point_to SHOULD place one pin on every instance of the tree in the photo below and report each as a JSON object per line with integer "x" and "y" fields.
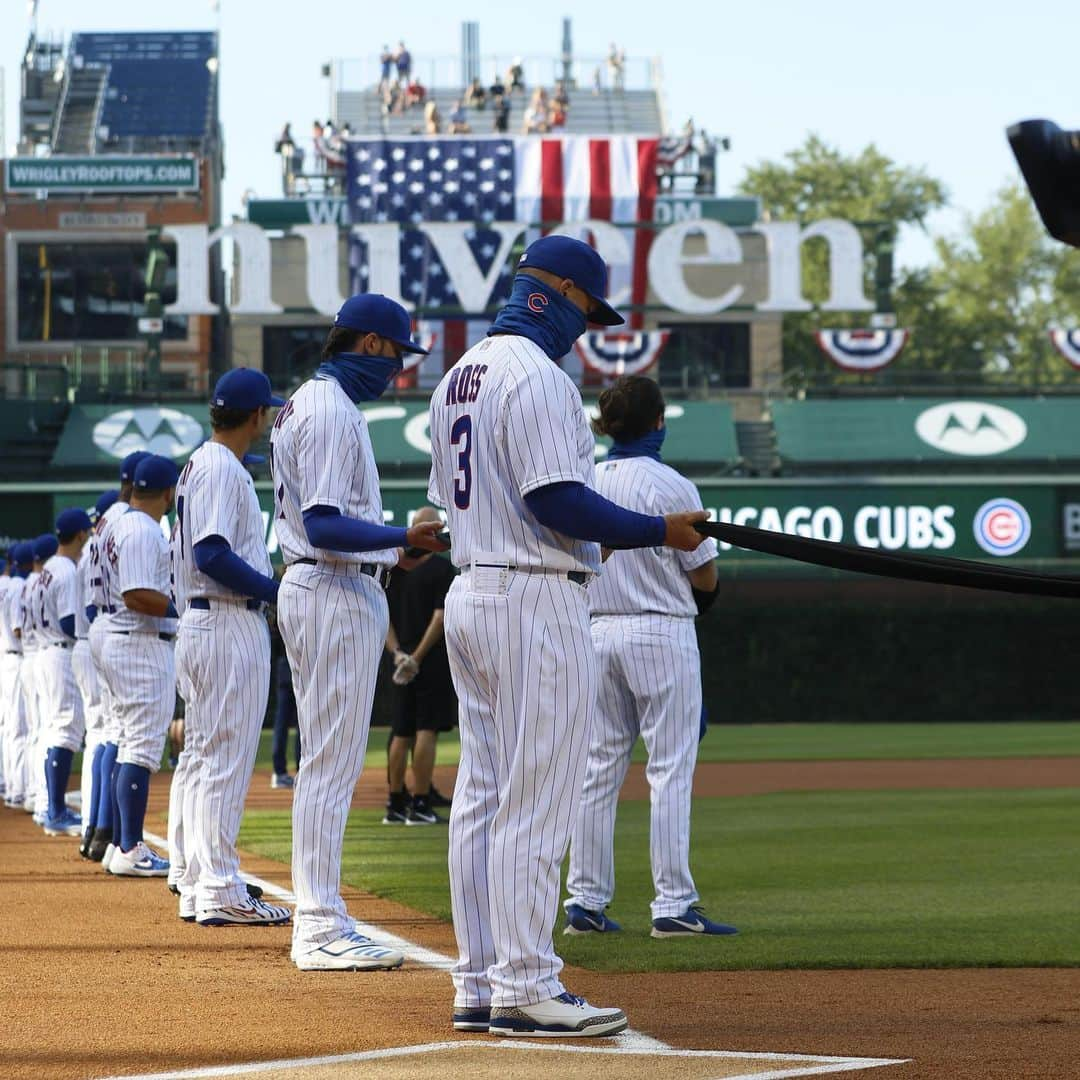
{"x": 817, "y": 181}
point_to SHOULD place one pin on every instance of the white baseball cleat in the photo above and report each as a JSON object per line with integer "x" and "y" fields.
{"x": 187, "y": 906}
{"x": 252, "y": 913}
{"x": 140, "y": 861}
{"x": 106, "y": 859}
{"x": 563, "y": 1017}
{"x": 351, "y": 952}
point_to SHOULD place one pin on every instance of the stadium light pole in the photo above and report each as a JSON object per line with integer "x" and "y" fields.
{"x": 152, "y": 325}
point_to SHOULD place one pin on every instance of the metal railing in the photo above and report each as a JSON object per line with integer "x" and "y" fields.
{"x": 93, "y": 373}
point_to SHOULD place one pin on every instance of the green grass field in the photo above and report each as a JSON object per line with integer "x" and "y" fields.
{"x": 829, "y": 742}
{"x": 822, "y": 880}
{"x": 813, "y": 880}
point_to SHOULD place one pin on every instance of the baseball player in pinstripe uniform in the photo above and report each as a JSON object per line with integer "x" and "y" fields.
{"x": 44, "y": 549}
{"x": 65, "y": 721}
{"x": 332, "y": 610}
{"x": 512, "y": 461}
{"x": 223, "y": 580}
{"x": 106, "y": 818}
{"x": 82, "y": 663}
{"x": 643, "y": 611}
{"x": 16, "y": 725}
{"x": 136, "y": 628}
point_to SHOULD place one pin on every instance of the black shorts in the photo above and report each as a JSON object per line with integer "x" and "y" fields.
{"x": 424, "y": 705}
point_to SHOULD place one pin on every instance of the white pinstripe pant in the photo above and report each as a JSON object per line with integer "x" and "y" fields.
{"x": 334, "y": 627}
{"x": 36, "y": 748}
{"x": 62, "y": 704}
{"x": 82, "y": 664}
{"x": 525, "y": 675}
{"x": 15, "y": 725}
{"x": 650, "y": 682}
{"x": 223, "y": 675}
{"x": 140, "y": 675}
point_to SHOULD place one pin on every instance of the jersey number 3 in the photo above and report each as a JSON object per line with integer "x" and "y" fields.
{"x": 461, "y": 441}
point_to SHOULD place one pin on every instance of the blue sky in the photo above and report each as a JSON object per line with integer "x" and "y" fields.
{"x": 933, "y": 84}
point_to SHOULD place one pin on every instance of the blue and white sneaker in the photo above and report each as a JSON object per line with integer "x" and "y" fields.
{"x": 350, "y": 952}
{"x": 580, "y": 920}
{"x": 252, "y": 913}
{"x": 466, "y": 1019}
{"x": 692, "y": 922}
{"x": 140, "y": 861}
{"x": 65, "y": 823}
{"x": 562, "y": 1017}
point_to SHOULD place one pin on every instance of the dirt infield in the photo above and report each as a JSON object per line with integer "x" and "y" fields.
{"x": 100, "y": 978}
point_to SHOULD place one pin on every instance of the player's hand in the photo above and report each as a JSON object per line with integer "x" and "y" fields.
{"x": 681, "y": 533}
{"x": 426, "y": 536}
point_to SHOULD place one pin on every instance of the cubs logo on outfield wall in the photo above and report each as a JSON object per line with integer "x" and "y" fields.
{"x": 612, "y": 353}
{"x": 1067, "y": 342}
{"x": 861, "y": 350}
{"x": 1002, "y": 527}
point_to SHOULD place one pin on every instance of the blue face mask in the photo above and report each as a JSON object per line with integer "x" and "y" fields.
{"x": 541, "y": 314}
{"x": 362, "y": 377}
{"x": 646, "y": 446}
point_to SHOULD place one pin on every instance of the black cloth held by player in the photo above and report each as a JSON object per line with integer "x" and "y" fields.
{"x": 935, "y": 569}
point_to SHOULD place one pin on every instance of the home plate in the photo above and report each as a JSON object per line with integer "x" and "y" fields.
{"x": 536, "y": 1061}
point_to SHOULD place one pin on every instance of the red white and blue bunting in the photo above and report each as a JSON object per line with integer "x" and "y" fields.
{"x": 614, "y": 353}
{"x": 425, "y": 335}
{"x": 861, "y": 350}
{"x": 1067, "y": 342}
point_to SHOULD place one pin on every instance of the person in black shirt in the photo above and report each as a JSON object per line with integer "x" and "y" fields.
{"x": 425, "y": 700}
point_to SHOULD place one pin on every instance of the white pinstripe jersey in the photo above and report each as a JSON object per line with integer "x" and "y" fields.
{"x": 56, "y": 597}
{"x": 320, "y": 455}
{"x": 96, "y": 544}
{"x": 24, "y": 612}
{"x": 135, "y": 555}
{"x": 649, "y": 580}
{"x": 505, "y": 421}
{"x": 10, "y": 587}
{"x": 84, "y": 574}
{"x": 215, "y": 496}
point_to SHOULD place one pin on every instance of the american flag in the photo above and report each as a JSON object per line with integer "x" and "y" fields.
{"x": 532, "y": 179}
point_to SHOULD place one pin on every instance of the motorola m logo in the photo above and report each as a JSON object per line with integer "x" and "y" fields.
{"x": 168, "y": 432}
{"x": 970, "y": 428}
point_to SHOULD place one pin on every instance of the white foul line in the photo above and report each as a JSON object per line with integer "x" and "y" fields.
{"x": 630, "y": 1041}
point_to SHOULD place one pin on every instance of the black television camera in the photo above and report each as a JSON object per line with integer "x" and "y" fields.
{"x": 1049, "y": 158}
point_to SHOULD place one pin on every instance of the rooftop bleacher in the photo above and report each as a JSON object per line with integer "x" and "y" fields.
{"x": 138, "y": 92}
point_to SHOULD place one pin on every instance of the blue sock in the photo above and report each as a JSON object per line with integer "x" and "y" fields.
{"x": 103, "y": 768}
{"x": 57, "y": 774}
{"x": 113, "y": 776}
{"x": 132, "y": 791}
{"x": 90, "y": 812}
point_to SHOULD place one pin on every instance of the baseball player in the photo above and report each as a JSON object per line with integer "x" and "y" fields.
{"x": 223, "y": 581}
{"x": 643, "y": 610}
{"x": 106, "y": 819}
{"x": 512, "y": 460}
{"x": 332, "y": 611}
{"x": 137, "y": 627}
{"x": 16, "y": 729}
{"x": 86, "y": 676}
{"x": 44, "y": 549}
{"x": 64, "y": 722}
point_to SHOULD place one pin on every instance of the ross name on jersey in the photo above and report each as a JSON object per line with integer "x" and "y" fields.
{"x": 464, "y": 384}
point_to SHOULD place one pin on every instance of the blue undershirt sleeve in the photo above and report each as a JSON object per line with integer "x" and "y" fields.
{"x": 217, "y": 560}
{"x": 578, "y": 511}
{"x": 91, "y": 613}
{"x": 327, "y": 527}
{"x": 67, "y": 624}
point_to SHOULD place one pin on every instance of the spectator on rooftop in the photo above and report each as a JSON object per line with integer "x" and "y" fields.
{"x": 475, "y": 95}
{"x": 561, "y": 96}
{"x": 318, "y": 137}
{"x": 432, "y": 119}
{"x": 597, "y": 80}
{"x": 392, "y": 98}
{"x": 403, "y": 61}
{"x": 497, "y": 87}
{"x": 502, "y": 114}
{"x": 556, "y": 115}
{"x": 386, "y": 61}
{"x": 616, "y": 62}
{"x": 515, "y": 76}
{"x": 459, "y": 125}
{"x": 536, "y": 115}
{"x": 415, "y": 93}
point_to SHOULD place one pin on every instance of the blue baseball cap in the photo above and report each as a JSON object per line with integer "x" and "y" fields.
{"x": 245, "y": 389}
{"x": 156, "y": 473}
{"x": 22, "y": 554}
{"x": 373, "y": 313}
{"x": 130, "y": 464}
{"x": 71, "y": 521}
{"x": 45, "y": 547}
{"x": 574, "y": 259}
{"x": 105, "y": 500}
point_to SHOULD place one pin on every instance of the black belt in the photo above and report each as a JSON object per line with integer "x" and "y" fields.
{"x": 161, "y": 634}
{"x": 62, "y": 644}
{"x": 578, "y": 577}
{"x": 12, "y": 652}
{"x": 207, "y": 603}
{"x": 369, "y": 568}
